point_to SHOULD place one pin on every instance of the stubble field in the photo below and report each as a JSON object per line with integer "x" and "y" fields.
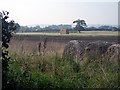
{"x": 83, "y": 33}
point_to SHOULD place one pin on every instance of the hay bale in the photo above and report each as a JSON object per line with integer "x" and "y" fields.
{"x": 112, "y": 53}
{"x": 98, "y": 46}
{"x": 64, "y": 31}
{"x": 74, "y": 50}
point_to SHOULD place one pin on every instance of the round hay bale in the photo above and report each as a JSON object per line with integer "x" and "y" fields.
{"x": 97, "y": 46}
{"x": 112, "y": 53}
{"x": 74, "y": 50}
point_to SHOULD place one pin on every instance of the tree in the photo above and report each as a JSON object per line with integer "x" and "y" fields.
{"x": 18, "y": 27}
{"x": 7, "y": 29}
{"x": 80, "y": 25}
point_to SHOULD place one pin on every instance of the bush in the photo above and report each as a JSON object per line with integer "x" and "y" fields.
{"x": 7, "y": 29}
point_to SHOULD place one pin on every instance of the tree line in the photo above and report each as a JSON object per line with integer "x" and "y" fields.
{"x": 56, "y": 28}
{"x": 80, "y": 26}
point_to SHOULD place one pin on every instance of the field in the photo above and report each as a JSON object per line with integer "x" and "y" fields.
{"x": 83, "y": 33}
{"x": 54, "y": 43}
{"x": 36, "y": 62}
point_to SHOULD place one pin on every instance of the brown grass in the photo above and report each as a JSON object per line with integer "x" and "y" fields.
{"x": 37, "y": 47}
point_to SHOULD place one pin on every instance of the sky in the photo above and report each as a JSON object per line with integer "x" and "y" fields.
{"x": 30, "y": 12}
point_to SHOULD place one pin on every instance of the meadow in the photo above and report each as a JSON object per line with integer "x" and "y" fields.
{"x": 36, "y": 62}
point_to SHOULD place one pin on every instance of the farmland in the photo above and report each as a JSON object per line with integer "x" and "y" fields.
{"x": 83, "y": 33}
{"x": 36, "y": 60}
{"x": 28, "y": 42}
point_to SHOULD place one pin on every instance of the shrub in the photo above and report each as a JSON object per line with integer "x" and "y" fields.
{"x": 7, "y": 29}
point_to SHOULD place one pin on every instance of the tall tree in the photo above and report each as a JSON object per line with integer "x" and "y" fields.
{"x": 80, "y": 25}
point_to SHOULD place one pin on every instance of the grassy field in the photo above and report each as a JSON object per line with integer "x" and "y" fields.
{"x": 83, "y": 33}
{"x": 34, "y": 67}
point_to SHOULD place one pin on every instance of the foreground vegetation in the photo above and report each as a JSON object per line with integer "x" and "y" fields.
{"x": 34, "y": 71}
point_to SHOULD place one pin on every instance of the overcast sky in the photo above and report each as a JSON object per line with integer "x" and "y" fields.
{"x": 29, "y": 12}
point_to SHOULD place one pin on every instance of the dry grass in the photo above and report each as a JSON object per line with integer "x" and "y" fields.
{"x": 51, "y": 47}
{"x": 83, "y": 33}
{"x": 32, "y": 47}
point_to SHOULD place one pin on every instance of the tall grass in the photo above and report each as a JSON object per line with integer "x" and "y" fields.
{"x": 35, "y": 71}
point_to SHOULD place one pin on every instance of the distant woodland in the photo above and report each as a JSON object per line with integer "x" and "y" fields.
{"x": 56, "y": 28}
